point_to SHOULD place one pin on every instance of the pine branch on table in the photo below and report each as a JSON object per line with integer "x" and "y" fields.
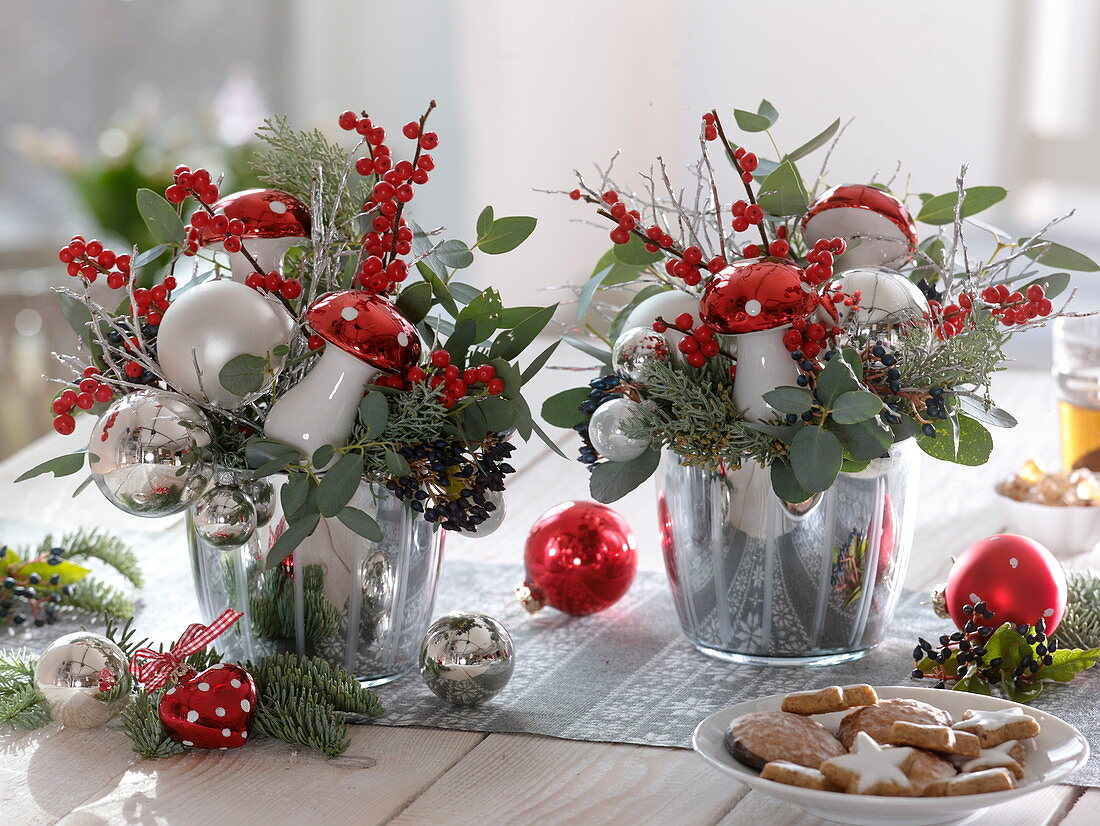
{"x": 22, "y": 706}
{"x": 95, "y": 544}
{"x": 141, "y": 722}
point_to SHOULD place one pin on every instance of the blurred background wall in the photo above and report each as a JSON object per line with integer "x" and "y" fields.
{"x": 100, "y": 96}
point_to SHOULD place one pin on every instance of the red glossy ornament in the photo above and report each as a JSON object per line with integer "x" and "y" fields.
{"x": 1017, "y": 578}
{"x": 211, "y": 710}
{"x": 368, "y": 327}
{"x": 751, "y": 296}
{"x": 265, "y": 213}
{"x": 884, "y": 228}
{"x": 581, "y": 558}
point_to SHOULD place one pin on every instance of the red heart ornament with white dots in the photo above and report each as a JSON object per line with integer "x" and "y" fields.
{"x": 211, "y": 710}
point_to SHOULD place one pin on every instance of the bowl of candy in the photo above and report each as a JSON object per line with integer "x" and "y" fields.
{"x": 1060, "y": 509}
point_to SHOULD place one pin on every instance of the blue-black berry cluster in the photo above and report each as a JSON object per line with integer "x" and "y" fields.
{"x": 33, "y": 597}
{"x": 149, "y": 334}
{"x": 449, "y": 483}
{"x": 600, "y": 390}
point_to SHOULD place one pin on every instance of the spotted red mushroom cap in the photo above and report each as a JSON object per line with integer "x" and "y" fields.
{"x": 266, "y": 213}
{"x": 366, "y": 326}
{"x": 862, "y": 196}
{"x": 756, "y": 295}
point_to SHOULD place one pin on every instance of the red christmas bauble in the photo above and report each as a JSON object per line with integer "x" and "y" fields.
{"x": 1016, "y": 577}
{"x": 877, "y": 220}
{"x": 756, "y": 295}
{"x": 581, "y": 558}
{"x": 211, "y": 710}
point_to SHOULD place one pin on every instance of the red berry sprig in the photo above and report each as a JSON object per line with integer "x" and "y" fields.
{"x": 698, "y": 345}
{"x": 820, "y": 260}
{"x": 275, "y": 284}
{"x": 1013, "y": 308}
{"x": 88, "y": 393}
{"x": 454, "y": 384}
{"x": 89, "y": 259}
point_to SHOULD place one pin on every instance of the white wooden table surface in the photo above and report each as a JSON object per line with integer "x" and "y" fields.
{"x": 431, "y": 776}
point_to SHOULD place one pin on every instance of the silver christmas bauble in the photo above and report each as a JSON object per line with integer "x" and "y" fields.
{"x": 466, "y": 658}
{"x": 496, "y": 515}
{"x": 889, "y": 302}
{"x": 635, "y": 350}
{"x": 605, "y": 431}
{"x": 84, "y": 678}
{"x": 224, "y": 517}
{"x": 145, "y": 453}
{"x": 262, "y": 494}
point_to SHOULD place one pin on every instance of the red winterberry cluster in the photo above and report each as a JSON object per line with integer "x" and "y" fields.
{"x": 288, "y": 288}
{"x": 687, "y": 267}
{"x": 698, "y": 344}
{"x": 451, "y": 382}
{"x": 90, "y": 391}
{"x": 196, "y": 183}
{"x": 810, "y": 338}
{"x": 710, "y": 128}
{"x": 89, "y": 260}
{"x": 390, "y": 235}
{"x": 819, "y": 267}
{"x": 746, "y": 215}
{"x": 152, "y": 302}
{"x": 628, "y": 218}
{"x": 1014, "y": 307}
{"x": 747, "y": 162}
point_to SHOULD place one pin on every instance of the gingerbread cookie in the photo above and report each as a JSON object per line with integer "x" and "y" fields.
{"x": 793, "y": 774}
{"x": 831, "y": 698}
{"x": 765, "y": 736}
{"x": 996, "y": 727}
{"x": 927, "y": 768}
{"x": 1010, "y": 755}
{"x": 934, "y": 738}
{"x": 871, "y": 769}
{"x": 878, "y": 720}
{"x": 990, "y": 780}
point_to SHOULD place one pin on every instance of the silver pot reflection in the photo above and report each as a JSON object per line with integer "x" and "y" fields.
{"x": 355, "y": 603}
{"x": 755, "y": 580}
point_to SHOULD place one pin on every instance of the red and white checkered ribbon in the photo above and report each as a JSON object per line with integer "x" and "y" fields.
{"x": 154, "y": 669}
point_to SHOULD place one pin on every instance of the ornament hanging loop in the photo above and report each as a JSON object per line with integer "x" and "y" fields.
{"x": 156, "y": 669}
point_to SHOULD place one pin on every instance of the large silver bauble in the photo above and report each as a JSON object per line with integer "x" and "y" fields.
{"x": 209, "y": 325}
{"x": 84, "y": 678}
{"x": 224, "y": 517}
{"x": 262, "y": 494}
{"x": 144, "y": 453}
{"x": 605, "y": 431}
{"x": 636, "y": 350}
{"x": 466, "y": 658}
{"x": 495, "y": 518}
{"x": 889, "y": 302}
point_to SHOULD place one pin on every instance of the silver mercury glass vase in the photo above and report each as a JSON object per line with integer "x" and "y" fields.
{"x": 757, "y": 580}
{"x": 355, "y": 603}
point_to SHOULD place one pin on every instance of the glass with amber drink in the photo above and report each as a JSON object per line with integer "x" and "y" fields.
{"x": 1077, "y": 372}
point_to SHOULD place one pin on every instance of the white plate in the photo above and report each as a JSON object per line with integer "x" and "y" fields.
{"x": 1059, "y": 750}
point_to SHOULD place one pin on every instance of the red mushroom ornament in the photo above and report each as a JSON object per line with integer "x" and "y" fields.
{"x": 756, "y": 301}
{"x": 365, "y": 334}
{"x": 876, "y": 226}
{"x": 274, "y": 221}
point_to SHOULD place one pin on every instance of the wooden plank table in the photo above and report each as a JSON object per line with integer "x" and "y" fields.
{"x": 416, "y": 775}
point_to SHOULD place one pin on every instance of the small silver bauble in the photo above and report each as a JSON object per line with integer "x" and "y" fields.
{"x": 262, "y": 494}
{"x": 144, "y": 453}
{"x": 635, "y": 350}
{"x": 84, "y": 678}
{"x": 496, "y": 515}
{"x": 606, "y": 432}
{"x": 224, "y": 517}
{"x": 889, "y": 302}
{"x": 466, "y": 658}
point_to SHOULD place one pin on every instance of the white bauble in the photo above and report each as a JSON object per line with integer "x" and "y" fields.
{"x": 209, "y": 325}
{"x": 667, "y": 305}
{"x": 605, "y": 431}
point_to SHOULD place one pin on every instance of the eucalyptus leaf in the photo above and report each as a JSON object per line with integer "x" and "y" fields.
{"x": 1059, "y": 256}
{"x": 80, "y": 319}
{"x": 454, "y": 254}
{"x": 244, "y": 374}
{"x": 510, "y": 375}
{"x": 976, "y": 409}
{"x": 562, "y": 409}
{"x": 836, "y": 379}
{"x": 506, "y": 234}
{"x": 499, "y": 413}
{"x": 588, "y": 292}
{"x": 439, "y": 289}
{"x": 782, "y": 193}
{"x": 767, "y": 110}
{"x": 397, "y": 464}
{"x": 293, "y": 494}
{"x": 784, "y": 483}
{"x": 941, "y": 208}
{"x": 463, "y": 293}
{"x": 415, "y": 301}
{"x": 816, "y": 457}
{"x": 461, "y": 340}
{"x": 148, "y": 256}
{"x": 361, "y": 523}
{"x": 863, "y": 441}
{"x": 538, "y": 363}
{"x": 160, "y": 217}
{"x": 59, "y": 466}
{"x": 374, "y": 414}
{"x": 484, "y": 222}
{"x": 511, "y": 316}
{"x": 788, "y": 399}
{"x": 751, "y": 121}
{"x": 485, "y": 311}
{"x": 610, "y": 481}
{"x": 510, "y": 343}
{"x": 1053, "y": 285}
{"x": 634, "y": 253}
{"x": 855, "y": 406}
{"x": 339, "y": 484}
{"x": 296, "y": 533}
{"x": 322, "y": 456}
{"x": 601, "y": 354}
{"x": 814, "y": 143}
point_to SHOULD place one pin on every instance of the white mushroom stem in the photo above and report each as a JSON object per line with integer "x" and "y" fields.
{"x": 321, "y": 408}
{"x": 268, "y": 252}
{"x": 763, "y": 364}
